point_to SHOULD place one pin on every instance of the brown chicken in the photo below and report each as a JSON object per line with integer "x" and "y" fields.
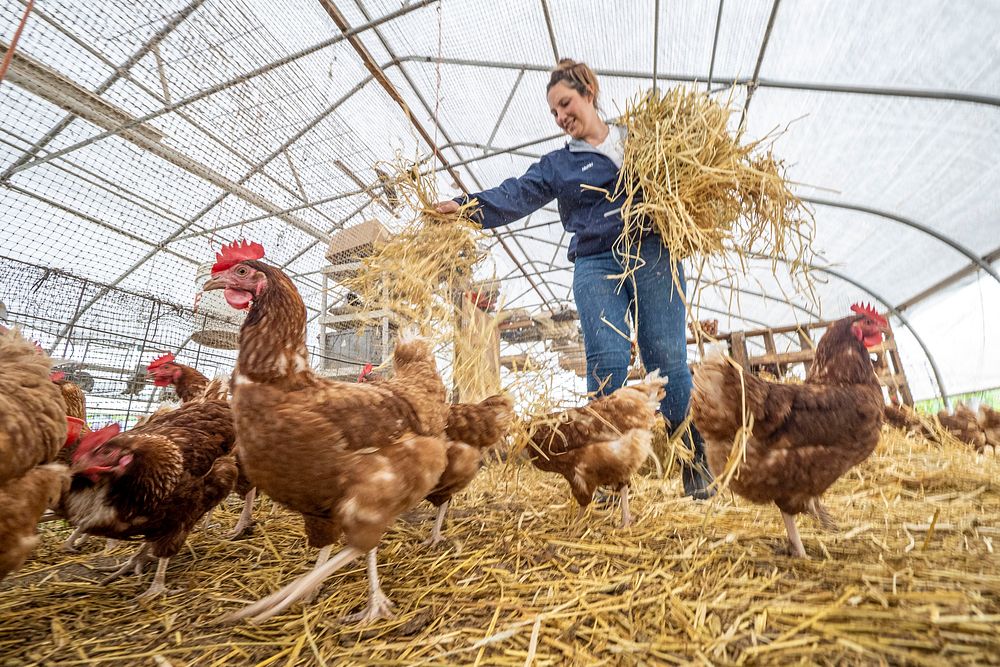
{"x": 23, "y": 500}
{"x": 804, "y": 436}
{"x": 33, "y": 428}
{"x": 190, "y": 384}
{"x": 989, "y": 421}
{"x": 964, "y": 425}
{"x": 155, "y": 481}
{"x": 601, "y": 444}
{"x": 472, "y": 429}
{"x": 349, "y": 457}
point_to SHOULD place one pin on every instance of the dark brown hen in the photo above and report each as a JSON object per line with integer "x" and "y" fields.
{"x": 804, "y": 436}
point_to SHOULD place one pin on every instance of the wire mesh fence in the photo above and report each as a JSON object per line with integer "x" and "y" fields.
{"x": 105, "y": 348}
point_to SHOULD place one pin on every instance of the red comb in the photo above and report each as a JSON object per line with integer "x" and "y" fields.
{"x": 868, "y": 311}
{"x": 366, "y": 371}
{"x": 236, "y": 252}
{"x": 57, "y": 376}
{"x": 95, "y": 439}
{"x": 167, "y": 358}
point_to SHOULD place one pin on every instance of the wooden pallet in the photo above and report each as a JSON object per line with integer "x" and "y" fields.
{"x": 888, "y": 367}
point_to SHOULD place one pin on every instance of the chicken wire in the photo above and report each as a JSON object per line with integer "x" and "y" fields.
{"x": 265, "y": 122}
{"x": 105, "y": 349}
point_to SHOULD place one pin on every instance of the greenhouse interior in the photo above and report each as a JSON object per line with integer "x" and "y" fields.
{"x": 255, "y": 198}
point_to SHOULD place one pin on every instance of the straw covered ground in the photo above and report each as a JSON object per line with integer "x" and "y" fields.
{"x": 517, "y": 584}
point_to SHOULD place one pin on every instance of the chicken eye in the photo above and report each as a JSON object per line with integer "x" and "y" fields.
{"x": 241, "y": 271}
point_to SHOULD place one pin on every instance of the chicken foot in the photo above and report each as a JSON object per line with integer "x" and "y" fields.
{"x": 379, "y": 605}
{"x": 136, "y": 561}
{"x": 159, "y": 585}
{"x": 816, "y": 508}
{"x": 793, "y": 535}
{"x": 206, "y": 523}
{"x": 280, "y": 600}
{"x": 75, "y": 541}
{"x": 246, "y": 516}
{"x": 436, "y": 536}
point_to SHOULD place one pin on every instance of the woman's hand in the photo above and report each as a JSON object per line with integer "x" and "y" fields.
{"x": 447, "y": 206}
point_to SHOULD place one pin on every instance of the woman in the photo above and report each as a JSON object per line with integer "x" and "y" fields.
{"x": 593, "y": 157}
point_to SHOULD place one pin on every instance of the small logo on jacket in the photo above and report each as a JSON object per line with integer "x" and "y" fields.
{"x": 587, "y": 166}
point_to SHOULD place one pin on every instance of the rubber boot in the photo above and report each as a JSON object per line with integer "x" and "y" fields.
{"x": 696, "y": 476}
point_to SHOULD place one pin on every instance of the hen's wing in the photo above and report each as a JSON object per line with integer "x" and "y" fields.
{"x": 600, "y": 420}
{"x": 202, "y": 430}
{"x": 787, "y": 415}
{"x": 32, "y": 416}
{"x": 482, "y": 424}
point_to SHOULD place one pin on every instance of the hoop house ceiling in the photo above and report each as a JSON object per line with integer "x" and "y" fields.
{"x": 134, "y": 138}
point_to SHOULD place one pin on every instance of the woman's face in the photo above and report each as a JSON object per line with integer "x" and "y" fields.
{"x": 574, "y": 113}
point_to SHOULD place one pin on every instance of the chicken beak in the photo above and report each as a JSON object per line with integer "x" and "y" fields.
{"x": 213, "y": 283}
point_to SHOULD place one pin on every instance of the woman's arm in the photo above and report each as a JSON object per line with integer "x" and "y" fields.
{"x": 511, "y": 200}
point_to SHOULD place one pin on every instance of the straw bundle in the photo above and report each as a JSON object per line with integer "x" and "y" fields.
{"x": 909, "y": 578}
{"x": 686, "y": 177}
{"x": 415, "y": 270}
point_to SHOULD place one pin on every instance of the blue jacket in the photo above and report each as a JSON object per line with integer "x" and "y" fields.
{"x": 594, "y": 222}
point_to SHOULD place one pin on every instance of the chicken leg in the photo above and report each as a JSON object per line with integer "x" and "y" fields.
{"x": 246, "y": 516}
{"x": 379, "y": 606}
{"x": 159, "y": 585}
{"x": 324, "y": 555}
{"x": 136, "y": 561}
{"x": 280, "y": 600}
{"x": 793, "y": 535}
{"x": 626, "y": 515}
{"x": 436, "y": 535}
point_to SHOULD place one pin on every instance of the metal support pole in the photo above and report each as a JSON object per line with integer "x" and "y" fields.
{"x": 656, "y": 40}
{"x": 947, "y": 240}
{"x": 243, "y": 78}
{"x": 915, "y": 93}
{"x": 752, "y": 85}
{"x": 552, "y": 32}
{"x": 715, "y": 45}
{"x": 503, "y": 111}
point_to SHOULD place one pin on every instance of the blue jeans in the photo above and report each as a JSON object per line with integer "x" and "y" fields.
{"x": 649, "y": 297}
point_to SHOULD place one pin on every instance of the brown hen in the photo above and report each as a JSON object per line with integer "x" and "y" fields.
{"x": 154, "y": 482}
{"x": 472, "y": 429}
{"x": 33, "y": 427}
{"x": 601, "y": 444}
{"x": 349, "y": 457}
{"x": 804, "y": 436}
